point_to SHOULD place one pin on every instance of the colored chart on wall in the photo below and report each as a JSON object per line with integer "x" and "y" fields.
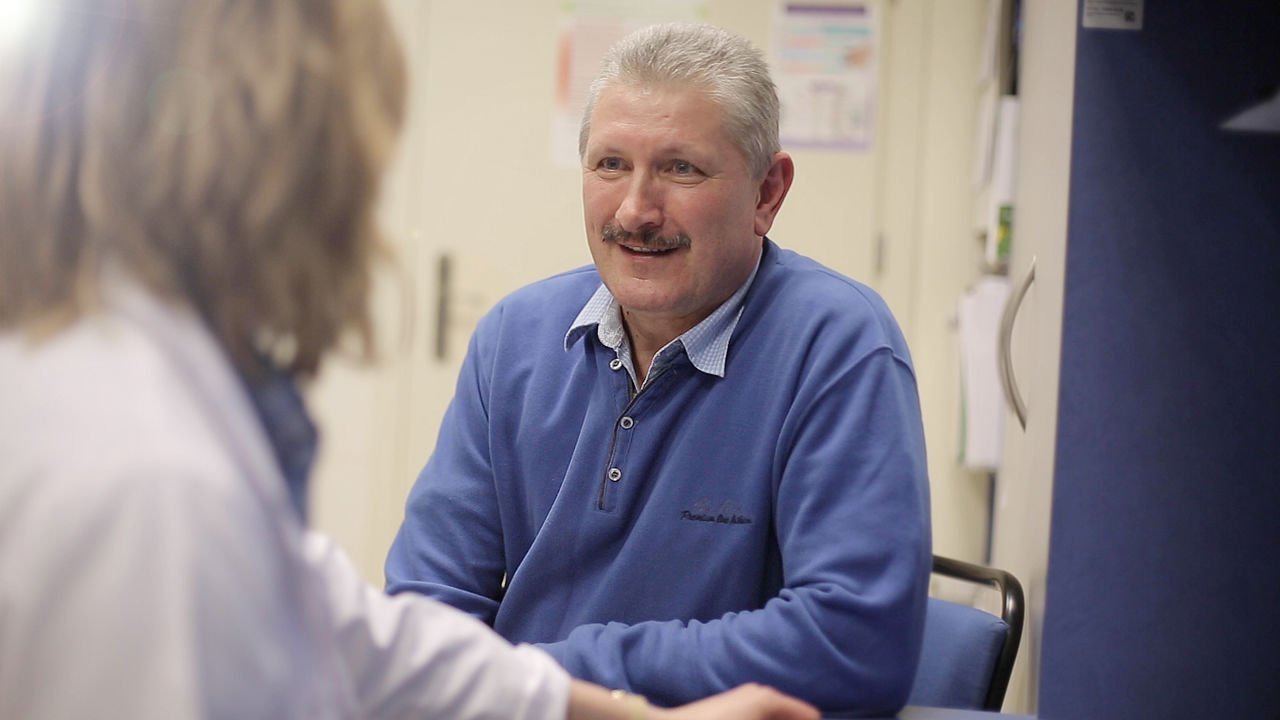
{"x": 825, "y": 59}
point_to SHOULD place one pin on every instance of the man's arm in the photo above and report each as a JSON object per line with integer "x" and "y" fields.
{"x": 452, "y": 531}
{"x": 852, "y": 526}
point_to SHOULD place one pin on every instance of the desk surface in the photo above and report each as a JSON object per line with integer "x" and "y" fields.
{"x": 928, "y": 713}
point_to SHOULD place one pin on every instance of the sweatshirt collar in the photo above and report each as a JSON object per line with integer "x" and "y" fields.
{"x": 706, "y": 344}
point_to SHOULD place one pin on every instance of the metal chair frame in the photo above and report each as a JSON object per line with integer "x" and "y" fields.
{"x": 1012, "y": 612}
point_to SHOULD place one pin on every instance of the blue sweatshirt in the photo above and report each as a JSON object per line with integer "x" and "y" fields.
{"x": 768, "y": 526}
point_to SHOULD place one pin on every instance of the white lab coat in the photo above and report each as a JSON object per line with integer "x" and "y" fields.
{"x": 151, "y": 565}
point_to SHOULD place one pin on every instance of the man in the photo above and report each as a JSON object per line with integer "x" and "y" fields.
{"x": 701, "y": 461}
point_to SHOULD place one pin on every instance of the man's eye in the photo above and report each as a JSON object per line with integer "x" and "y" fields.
{"x": 683, "y": 169}
{"x": 611, "y": 164}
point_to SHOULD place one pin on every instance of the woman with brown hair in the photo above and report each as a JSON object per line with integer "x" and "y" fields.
{"x": 187, "y": 194}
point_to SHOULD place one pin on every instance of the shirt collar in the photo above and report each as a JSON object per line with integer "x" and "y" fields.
{"x": 706, "y": 344}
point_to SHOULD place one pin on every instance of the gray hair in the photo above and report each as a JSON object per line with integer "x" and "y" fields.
{"x": 732, "y": 72}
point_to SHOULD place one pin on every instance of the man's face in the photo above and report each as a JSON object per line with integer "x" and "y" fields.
{"x": 670, "y": 205}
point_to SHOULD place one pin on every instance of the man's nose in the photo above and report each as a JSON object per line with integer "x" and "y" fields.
{"x": 642, "y": 205}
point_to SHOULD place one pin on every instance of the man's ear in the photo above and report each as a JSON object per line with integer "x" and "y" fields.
{"x": 773, "y": 190}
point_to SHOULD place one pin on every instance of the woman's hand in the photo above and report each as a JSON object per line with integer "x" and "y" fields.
{"x": 745, "y": 702}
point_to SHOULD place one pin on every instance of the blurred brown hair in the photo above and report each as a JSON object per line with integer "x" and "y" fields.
{"x": 227, "y": 153}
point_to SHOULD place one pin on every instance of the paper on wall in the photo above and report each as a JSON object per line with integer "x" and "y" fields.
{"x": 982, "y": 422}
{"x": 824, "y": 64}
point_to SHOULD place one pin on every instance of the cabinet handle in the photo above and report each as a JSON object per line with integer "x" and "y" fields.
{"x": 1004, "y": 356}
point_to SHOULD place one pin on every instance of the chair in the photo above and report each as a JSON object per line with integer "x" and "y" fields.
{"x": 968, "y": 654}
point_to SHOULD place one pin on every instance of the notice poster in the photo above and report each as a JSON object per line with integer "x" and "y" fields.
{"x": 825, "y": 59}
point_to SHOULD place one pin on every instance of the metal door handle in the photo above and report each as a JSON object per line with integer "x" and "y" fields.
{"x": 444, "y": 309}
{"x": 1004, "y": 356}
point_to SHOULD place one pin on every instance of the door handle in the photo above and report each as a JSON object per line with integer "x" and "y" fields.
{"x": 444, "y": 308}
{"x": 1004, "y": 355}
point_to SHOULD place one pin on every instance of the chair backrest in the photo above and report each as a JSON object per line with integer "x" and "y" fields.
{"x": 968, "y": 654}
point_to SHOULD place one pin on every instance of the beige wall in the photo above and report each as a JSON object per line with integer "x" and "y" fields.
{"x": 474, "y": 179}
{"x": 934, "y": 254}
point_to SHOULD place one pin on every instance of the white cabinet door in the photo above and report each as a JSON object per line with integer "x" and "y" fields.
{"x": 1025, "y": 482}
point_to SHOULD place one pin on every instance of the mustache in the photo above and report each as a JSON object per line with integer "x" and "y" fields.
{"x": 650, "y": 237}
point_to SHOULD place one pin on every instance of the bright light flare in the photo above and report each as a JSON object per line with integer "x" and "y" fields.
{"x": 17, "y": 17}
